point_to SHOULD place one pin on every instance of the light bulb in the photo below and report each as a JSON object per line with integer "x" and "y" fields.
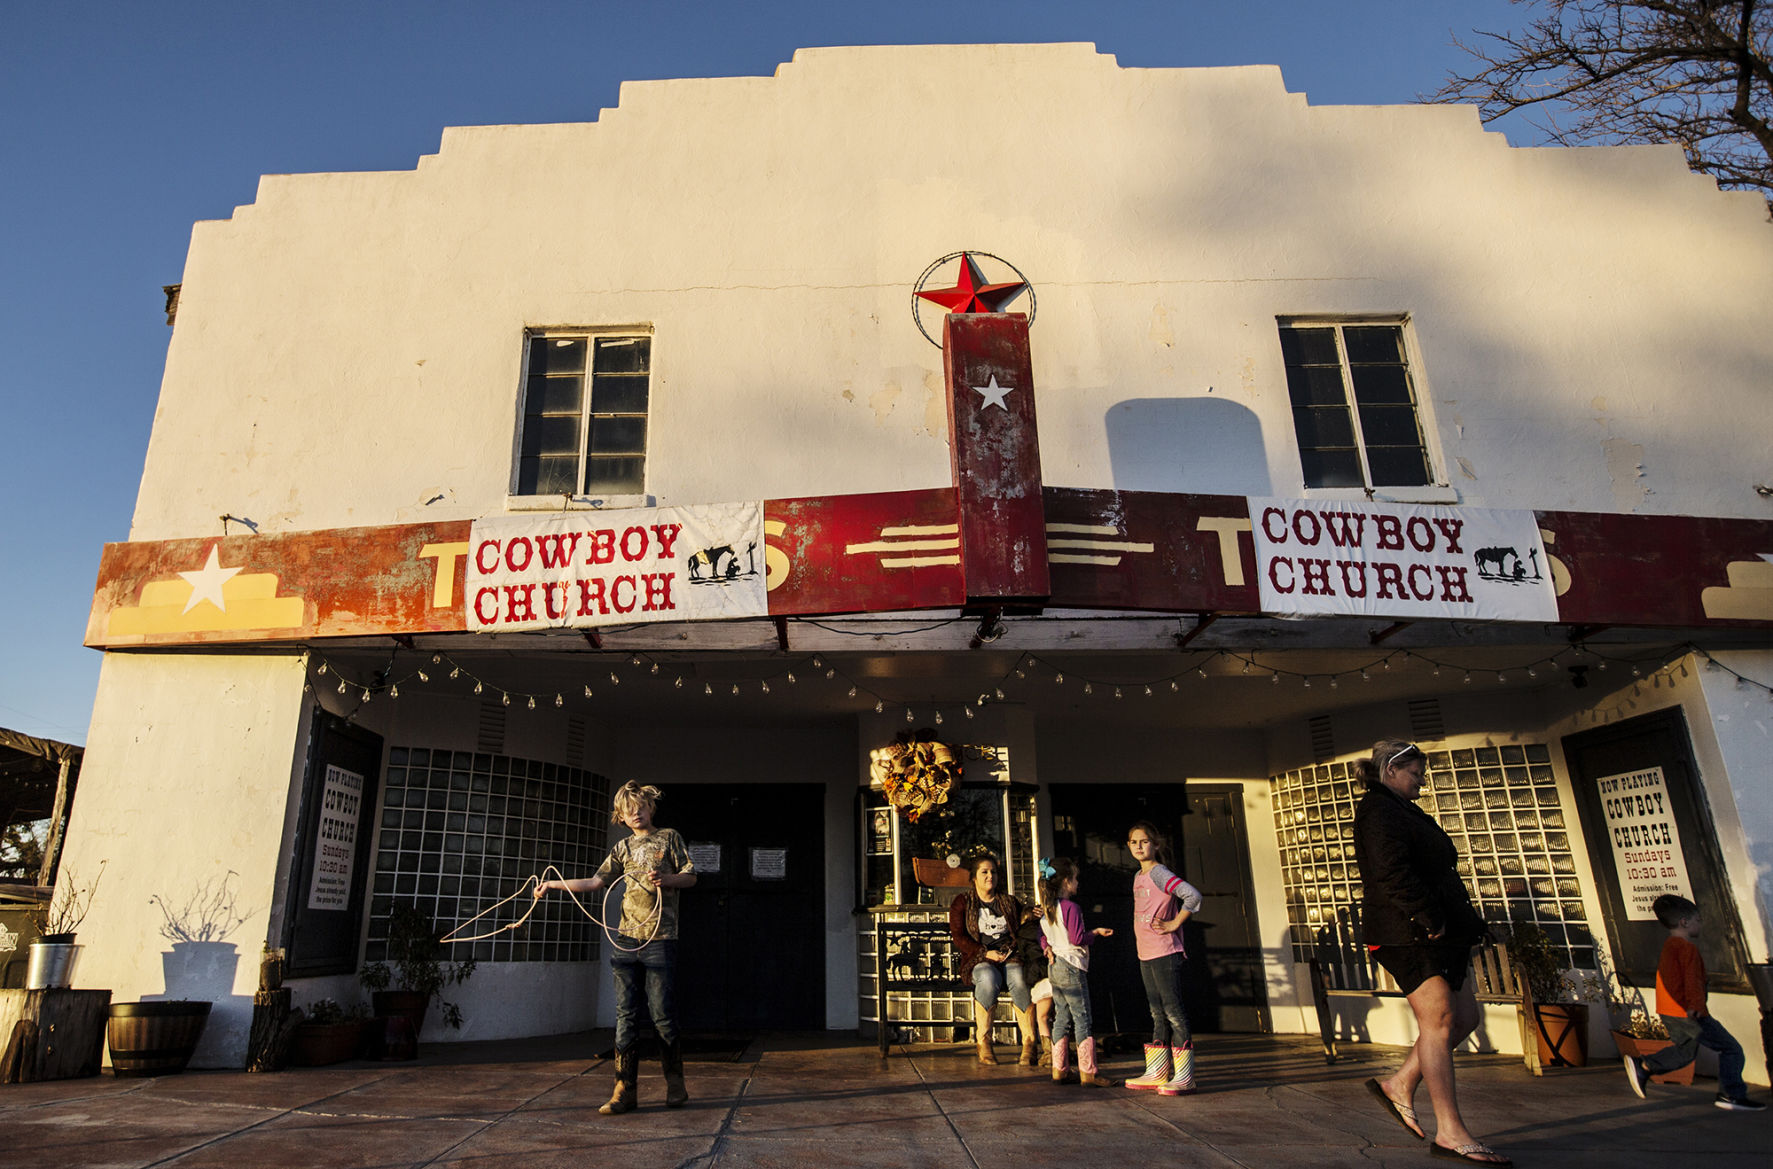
{"x": 532, "y": 701}
{"x": 394, "y": 691}
{"x": 588, "y": 693}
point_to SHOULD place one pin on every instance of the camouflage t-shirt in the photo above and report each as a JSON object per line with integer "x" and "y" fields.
{"x": 637, "y": 857}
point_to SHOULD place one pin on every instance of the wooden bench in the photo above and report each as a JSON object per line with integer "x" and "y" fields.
{"x": 1345, "y": 971}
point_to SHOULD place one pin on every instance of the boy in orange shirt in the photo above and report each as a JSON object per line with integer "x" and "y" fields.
{"x": 1680, "y": 1000}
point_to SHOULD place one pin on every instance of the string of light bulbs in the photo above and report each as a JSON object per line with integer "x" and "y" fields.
{"x": 1011, "y": 686}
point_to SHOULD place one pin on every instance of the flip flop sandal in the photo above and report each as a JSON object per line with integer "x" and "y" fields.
{"x": 1402, "y": 1113}
{"x": 1476, "y": 1153}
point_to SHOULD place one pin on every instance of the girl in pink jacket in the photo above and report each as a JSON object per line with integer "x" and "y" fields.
{"x": 1162, "y": 901}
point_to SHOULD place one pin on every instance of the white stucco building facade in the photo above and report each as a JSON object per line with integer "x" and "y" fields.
{"x": 1580, "y": 331}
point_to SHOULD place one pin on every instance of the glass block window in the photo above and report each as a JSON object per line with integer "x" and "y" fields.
{"x": 584, "y": 415}
{"x": 1379, "y": 442}
{"x": 1499, "y": 804}
{"x": 460, "y": 831}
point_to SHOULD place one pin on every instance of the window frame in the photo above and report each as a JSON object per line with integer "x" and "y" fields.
{"x": 579, "y": 498}
{"x": 1438, "y": 488}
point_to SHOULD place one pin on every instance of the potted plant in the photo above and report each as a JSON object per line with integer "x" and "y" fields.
{"x": 54, "y": 953}
{"x": 1635, "y": 1030}
{"x": 328, "y": 1033}
{"x": 417, "y": 970}
{"x": 1559, "y": 1021}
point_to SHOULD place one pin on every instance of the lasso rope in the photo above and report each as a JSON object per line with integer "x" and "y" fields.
{"x": 530, "y": 882}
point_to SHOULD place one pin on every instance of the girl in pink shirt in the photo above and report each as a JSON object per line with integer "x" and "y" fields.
{"x": 1162, "y": 901}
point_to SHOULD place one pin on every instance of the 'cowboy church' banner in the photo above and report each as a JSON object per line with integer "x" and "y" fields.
{"x": 588, "y": 568}
{"x": 1334, "y": 558}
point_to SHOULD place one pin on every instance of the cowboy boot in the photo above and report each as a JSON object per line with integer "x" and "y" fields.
{"x": 627, "y": 1071}
{"x": 982, "y": 1033}
{"x": 1030, "y": 1056}
{"x": 671, "y": 1055}
{"x": 1181, "y": 1082}
{"x": 1157, "y": 1067}
{"x": 1062, "y": 1060}
{"x": 1086, "y": 1066}
{"x": 1046, "y": 1051}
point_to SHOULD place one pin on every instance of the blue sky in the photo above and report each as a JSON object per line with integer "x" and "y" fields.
{"x": 123, "y": 123}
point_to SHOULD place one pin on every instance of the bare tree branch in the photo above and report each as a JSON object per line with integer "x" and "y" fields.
{"x": 1615, "y": 72}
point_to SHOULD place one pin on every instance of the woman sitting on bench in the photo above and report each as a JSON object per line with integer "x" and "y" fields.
{"x": 982, "y": 922}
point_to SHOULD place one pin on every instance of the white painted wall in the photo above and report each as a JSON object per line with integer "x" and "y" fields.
{"x": 1737, "y": 743}
{"x": 172, "y": 802}
{"x": 349, "y": 345}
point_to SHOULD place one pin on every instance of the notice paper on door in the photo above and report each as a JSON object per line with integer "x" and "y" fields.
{"x": 769, "y": 864}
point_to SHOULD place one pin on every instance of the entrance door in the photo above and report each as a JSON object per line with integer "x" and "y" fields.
{"x": 1090, "y": 822}
{"x": 1230, "y": 989}
{"x": 752, "y": 954}
{"x": 1223, "y": 987}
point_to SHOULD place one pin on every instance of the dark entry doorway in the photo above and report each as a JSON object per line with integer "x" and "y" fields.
{"x": 1222, "y": 982}
{"x": 1649, "y": 830}
{"x": 1233, "y": 984}
{"x": 752, "y": 954}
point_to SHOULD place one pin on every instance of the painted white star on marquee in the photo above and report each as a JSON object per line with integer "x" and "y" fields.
{"x": 992, "y": 394}
{"x": 207, "y": 582}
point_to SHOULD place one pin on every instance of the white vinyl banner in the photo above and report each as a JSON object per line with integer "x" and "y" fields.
{"x": 1646, "y": 844}
{"x": 1332, "y": 558}
{"x": 587, "y": 568}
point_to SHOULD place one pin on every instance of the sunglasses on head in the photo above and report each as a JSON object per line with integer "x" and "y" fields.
{"x": 1411, "y": 751}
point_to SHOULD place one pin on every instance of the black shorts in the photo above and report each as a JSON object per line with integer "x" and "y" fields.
{"x": 1411, "y": 966}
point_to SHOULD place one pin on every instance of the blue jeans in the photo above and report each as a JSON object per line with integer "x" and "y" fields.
{"x": 1689, "y": 1036}
{"x": 988, "y": 983}
{"x": 655, "y": 965}
{"x": 1071, "y": 1001}
{"x": 1163, "y": 994}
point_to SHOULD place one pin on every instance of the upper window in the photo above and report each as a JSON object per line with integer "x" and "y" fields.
{"x": 1379, "y": 443}
{"x": 584, "y": 415}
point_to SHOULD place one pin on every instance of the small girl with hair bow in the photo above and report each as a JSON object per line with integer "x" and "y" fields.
{"x": 1067, "y": 941}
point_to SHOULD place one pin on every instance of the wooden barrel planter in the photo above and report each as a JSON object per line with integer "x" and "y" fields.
{"x": 154, "y": 1039}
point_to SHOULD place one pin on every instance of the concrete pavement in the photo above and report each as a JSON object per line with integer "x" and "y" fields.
{"x": 828, "y": 1101}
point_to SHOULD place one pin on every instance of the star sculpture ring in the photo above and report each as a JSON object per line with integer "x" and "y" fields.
{"x": 970, "y": 292}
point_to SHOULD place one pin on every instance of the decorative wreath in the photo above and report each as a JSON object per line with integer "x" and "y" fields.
{"x": 916, "y": 772}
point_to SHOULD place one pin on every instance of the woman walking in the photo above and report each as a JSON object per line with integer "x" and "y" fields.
{"x": 1421, "y": 927}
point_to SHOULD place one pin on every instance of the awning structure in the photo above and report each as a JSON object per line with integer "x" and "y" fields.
{"x": 37, "y": 779}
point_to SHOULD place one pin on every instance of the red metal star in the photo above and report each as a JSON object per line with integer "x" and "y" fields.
{"x": 971, "y": 295}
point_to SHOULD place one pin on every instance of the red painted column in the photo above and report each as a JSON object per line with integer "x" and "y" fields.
{"x": 996, "y": 453}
